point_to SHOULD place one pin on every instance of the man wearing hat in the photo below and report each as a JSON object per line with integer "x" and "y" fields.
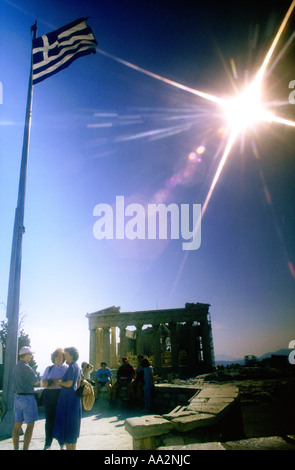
{"x": 25, "y": 406}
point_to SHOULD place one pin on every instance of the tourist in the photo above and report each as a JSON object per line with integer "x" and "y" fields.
{"x": 24, "y": 379}
{"x": 125, "y": 375}
{"x": 138, "y": 382}
{"x": 69, "y": 407}
{"x": 148, "y": 384}
{"x": 51, "y": 376}
{"x": 103, "y": 380}
{"x": 86, "y": 371}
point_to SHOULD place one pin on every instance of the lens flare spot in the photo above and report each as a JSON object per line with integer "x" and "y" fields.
{"x": 267, "y": 195}
{"x": 291, "y": 268}
{"x": 221, "y": 132}
{"x": 200, "y": 150}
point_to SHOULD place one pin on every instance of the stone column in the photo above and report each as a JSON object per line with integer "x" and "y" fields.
{"x": 174, "y": 345}
{"x": 157, "y": 347}
{"x": 139, "y": 342}
{"x": 92, "y": 347}
{"x": 123, "y": 342}
{"x": 106, "y": 345}
{"x": 113, "y": 359}
{"x": 191, "y": 347}
{"x": 207, "y": 358}
{"x": 99, "y": 347}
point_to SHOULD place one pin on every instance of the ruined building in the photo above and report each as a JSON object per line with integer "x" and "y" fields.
{"x": 174, "y": 340}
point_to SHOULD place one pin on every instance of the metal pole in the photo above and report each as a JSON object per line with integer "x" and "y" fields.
{"x": 13, "y": 297}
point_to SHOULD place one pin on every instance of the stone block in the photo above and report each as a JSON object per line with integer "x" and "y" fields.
{"x": 224, "y": 391}
{"x": 193, "y": 447}
{"x": 193, "y": 421}
{"x": 174, "y": 413}
{"x": 196, "y": 398}
{"x": 209, "y": 407}
{"x": 147, "y": 426}
{"x": 147, "y": 443}
{"x": 204, "y": 409}
{"x": 221, "y": 399}
{"x": 176, "y": 409}
{"x": 171, "y": 440}
{"x": 260, "y": 443}
{"x": 179, "y": 414}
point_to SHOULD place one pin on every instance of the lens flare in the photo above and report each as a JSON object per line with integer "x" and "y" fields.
{"x": 241, "y": 113}
{"x": 246, "y": 110}
{"x": 292, "y": 269}
{"x": 200, "y": 150}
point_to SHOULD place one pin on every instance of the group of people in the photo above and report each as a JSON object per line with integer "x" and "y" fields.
{"x": 62, "y": 406}
{"x": 61, "y": 402}
{"x": 139, "y": 382}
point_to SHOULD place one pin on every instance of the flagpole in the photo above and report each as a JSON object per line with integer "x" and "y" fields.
{"x": 13, "y": 297}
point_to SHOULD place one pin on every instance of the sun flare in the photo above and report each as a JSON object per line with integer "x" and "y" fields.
{"x": 242, "y": 113}
{"x": 246, "y": 110}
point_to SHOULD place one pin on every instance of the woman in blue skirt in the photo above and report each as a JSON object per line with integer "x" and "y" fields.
{"x": 69, "y": 408}
{"x": 148, "y": 384}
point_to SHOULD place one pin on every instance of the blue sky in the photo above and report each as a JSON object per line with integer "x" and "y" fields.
{"x": 101, "y": 129}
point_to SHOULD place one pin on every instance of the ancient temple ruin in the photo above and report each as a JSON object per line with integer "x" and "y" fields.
{"x": 174, "y": 340}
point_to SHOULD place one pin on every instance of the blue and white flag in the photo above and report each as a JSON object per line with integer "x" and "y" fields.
{"x": 57, "y": 50}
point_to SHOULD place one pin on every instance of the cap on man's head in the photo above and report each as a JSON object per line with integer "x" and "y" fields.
{"x": 124, "y": 358}
{"x": 25, "y": 350}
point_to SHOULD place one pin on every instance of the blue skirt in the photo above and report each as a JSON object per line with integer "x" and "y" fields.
{"x": 67, "y": 417}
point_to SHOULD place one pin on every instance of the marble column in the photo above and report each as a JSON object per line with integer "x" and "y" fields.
{"x": 157, "y": 346}
{"x": 113, "y": 359}
{"x": 106, "y": 345}
{"x": 174, "y": 345}
{"x": 191, "y": 346}
{"x": 207, "y": 356}
{"x": 92, "y": 347}
{"x": 99, "y": 347}
{"x": 139, "y": 339}
{"x": 123, "y": 342}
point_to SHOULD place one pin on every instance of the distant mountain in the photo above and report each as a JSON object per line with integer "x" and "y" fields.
{"x": 279, "y": 352}
{"x": 223, "y": 359}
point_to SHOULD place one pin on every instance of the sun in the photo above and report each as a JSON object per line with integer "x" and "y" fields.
{"x": 246, "y": 110}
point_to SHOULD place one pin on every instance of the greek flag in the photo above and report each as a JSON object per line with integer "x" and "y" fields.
{"x": 57, "y": 50}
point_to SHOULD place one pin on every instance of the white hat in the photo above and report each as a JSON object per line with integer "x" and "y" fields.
{"x": 25, "y": 350}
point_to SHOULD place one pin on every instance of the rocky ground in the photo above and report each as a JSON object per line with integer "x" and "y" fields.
{"x": 267, "y": 398}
